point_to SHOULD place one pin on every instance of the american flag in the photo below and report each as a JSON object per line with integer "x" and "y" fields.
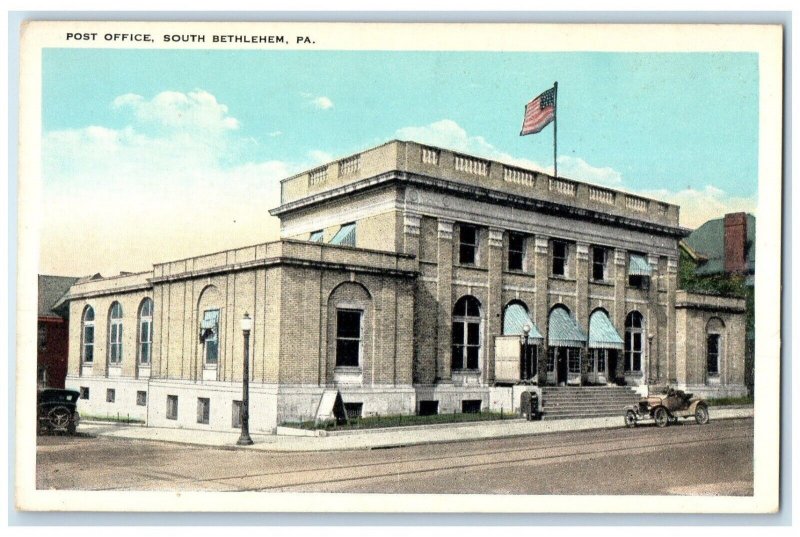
{"x": 539, "y": 112}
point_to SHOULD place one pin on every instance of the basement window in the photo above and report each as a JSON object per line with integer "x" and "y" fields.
{"x": 172, "y": 407}
{"x": 471, "y": 406}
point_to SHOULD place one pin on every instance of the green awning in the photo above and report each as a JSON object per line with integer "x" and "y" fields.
{"x": 638, "y": 266}
{"x": 346, "y": 236}
{"x": 602, "y": 334}
{"x": 562, "y": 330}
{"x": 515, "y": 318}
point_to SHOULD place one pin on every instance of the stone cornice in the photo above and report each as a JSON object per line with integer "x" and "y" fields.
{"x": 483, "y": 194}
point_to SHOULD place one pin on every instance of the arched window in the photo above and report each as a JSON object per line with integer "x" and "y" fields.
{"x": 466, "y": 334}
{"x": 145, "y": 350}
{"x": 349, "y": 326}
{"x": 634, "y": 341}
{"x": 88, "y": 335}
{"x": 115, "y": 334}
{"x": 714, "y": 331}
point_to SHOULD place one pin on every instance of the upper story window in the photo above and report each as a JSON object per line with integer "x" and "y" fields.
{"x": 209, "y": 333}
{"x": 145, "y": 331}
{"x": 87, "y": 352}
{"x": 348, "y": 337}
{"x": 516, "y": 251}
{"x": 639, "y": 271}
{"x": 466, "y": 334}
{"x": 599, "y": 264}
{"x": 560, "y": 258}
{"x": 467, "y": 244}
{"x": 346, "y": 236}
{"x": 315, "y": 236}
{"x": 115, "y": 334}
{"x": 41, "y": 337}
{"x": 634, "y": 341}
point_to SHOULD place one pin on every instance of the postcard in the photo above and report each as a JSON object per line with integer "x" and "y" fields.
{"x": 373, "y": 267}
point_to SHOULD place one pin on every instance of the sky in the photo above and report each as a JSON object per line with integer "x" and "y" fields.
{"x": 155, "y": 155}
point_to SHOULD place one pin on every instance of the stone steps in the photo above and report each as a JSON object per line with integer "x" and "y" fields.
{"x": 586, "y": 401}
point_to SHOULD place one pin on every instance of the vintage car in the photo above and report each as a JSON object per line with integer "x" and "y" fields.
{"x": 667, "y": 407}
{"x": 57, "y": 410}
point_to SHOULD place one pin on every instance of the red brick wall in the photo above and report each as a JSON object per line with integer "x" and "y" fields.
{"x": 52, "y": 354}
{"x": 735, "y": 242}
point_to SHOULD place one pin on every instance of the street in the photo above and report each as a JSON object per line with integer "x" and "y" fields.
{"x": 715, "y": 459}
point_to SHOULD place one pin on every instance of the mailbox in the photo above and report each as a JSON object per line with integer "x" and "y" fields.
{"x": 529, "y": 406}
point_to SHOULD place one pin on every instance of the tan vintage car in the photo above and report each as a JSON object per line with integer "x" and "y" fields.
{"x": 667, "y": 407}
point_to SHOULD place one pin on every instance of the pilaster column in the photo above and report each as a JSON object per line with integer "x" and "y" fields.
{"x": 411, "y": 222}
{"x": 444, "y": 297}
{"x": 620, "y": 284}
{"x": 541, "y": 264}
{"x": 672, "y": 287}
{"x": 654, "y": 369}
{"x": 582, "y": 301}
{"x": 494, "y": 316}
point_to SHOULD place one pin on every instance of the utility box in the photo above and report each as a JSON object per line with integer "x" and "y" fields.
{"x": 529, "y": 406}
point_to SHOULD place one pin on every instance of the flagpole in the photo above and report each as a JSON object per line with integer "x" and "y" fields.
{"x": 555, "y": 129}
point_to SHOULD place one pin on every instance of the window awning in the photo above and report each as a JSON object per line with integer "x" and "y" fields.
{"x": 562, "y": 330}
{"x": 346, "y": 235}
{"x": 515, "y": 318}
{"x": 638, "y": 266}
{"x": 602, "y": 334}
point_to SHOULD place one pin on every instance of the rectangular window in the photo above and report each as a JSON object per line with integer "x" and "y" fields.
{"x": 141, "y": 398}
{"x": 316, "y": 236}
{"x": 600, "y": 355}
{"x": 471, "y": 406}
{"x": 84, "y": 390}
{"x": 172, "y": 407}
{"x": 203, "y": 410}
{"x": 236, "y": 415}
{"x": 115, "y": 350}
{"x": 353, "y": 410}
{"x": 210, "y": 334}
{"x": 599, "y": 256}
{"x": 146, "y": 341}
{"x": 348, "y": 338}
{"x": 551, "y": 359}
{"x": 466, "y": 345}
{"x": 574, "y": 360}
{"x": 88, "y": 343}
{"x": 516, "y": 251}
{"x": 639, "y": 282}
{"x": 111, "y": 395}
{"x": 559, "y": 258}
{"x": 633, "y": 351}
{"x": 428, "y": 408}
{"x": 712, "y": 354}
{"x": 42, "y": 337}
{"x": 468, "y": 244}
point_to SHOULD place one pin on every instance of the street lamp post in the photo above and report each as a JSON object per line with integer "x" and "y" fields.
{"x": 244, "y": 438}
{"x": 524, "y": 369}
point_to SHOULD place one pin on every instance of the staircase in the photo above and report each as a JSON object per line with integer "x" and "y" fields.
{"x": 586, "y": 401}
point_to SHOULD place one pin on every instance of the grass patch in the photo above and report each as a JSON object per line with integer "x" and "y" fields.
{"x": 376, "y": 422}
{"x": 113, "y": 419}
{"x": 727, "y": 401}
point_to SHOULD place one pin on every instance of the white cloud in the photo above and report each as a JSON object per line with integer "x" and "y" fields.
{"x": 321, "y": 103}
{"x": 697, "y": 205}
{"x": 157, "y": 189}
{"x": 319, "y": 157}
{"x": 701, "y": 205}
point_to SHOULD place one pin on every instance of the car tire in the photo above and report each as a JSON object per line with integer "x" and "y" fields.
{"x": 59, "y": 417}
{"x": 630, "y": 419}
{"x": 661, "y": 417}
{"x": 701, "y": 414}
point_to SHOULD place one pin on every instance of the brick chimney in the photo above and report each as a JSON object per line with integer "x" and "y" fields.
{"x": 735, "y": 242}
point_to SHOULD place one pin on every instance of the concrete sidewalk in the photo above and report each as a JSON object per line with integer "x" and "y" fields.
{"x": 374, "y": 438}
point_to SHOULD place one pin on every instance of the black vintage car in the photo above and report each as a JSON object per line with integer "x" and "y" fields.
{"x": 57, "y": 410}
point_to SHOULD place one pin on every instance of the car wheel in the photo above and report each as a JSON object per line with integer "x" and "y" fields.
{"x": 59, "y": 417}
{"x": 701, "y": 414}
{"x": 661, "y": 416}
{"x": 630, "y": 419}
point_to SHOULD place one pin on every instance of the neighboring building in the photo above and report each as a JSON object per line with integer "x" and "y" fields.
{"x": 719, "y": 258}
{"x": 52, "y": 334}
{"x": 403, "y": 280}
